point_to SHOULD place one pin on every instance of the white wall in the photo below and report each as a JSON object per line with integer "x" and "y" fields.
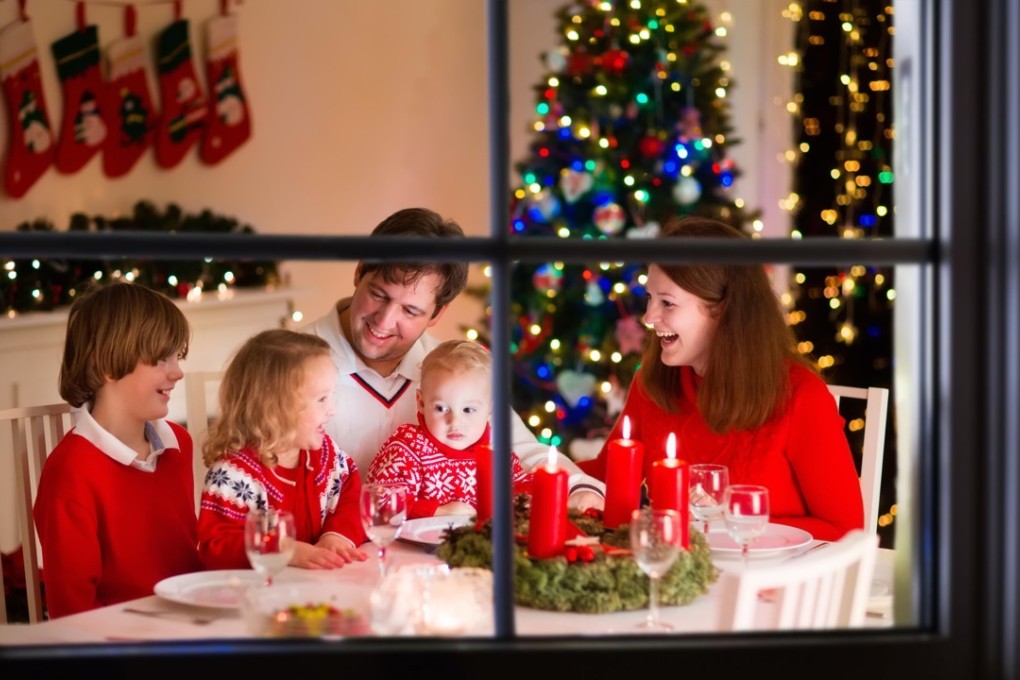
{"x": 358, "y": 109}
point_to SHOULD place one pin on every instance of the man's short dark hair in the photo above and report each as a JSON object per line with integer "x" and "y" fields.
{"x": 429, "y": 224}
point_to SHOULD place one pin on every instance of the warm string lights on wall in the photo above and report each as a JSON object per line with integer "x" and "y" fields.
{"x": 843, "y": 184}
{"x": 34, "y": 285}
{"x": 631, "y": 127}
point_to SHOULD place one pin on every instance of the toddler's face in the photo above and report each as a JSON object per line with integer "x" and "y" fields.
{"x": 456, "y": 405}
{"x": 317, "y": 402}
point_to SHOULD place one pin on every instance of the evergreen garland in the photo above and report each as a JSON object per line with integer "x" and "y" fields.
{"x": 28, "y": 285}
{"x": 610, "y": 582}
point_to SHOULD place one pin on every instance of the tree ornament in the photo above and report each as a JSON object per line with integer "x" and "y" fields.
{"x": 574, "y": 386}
{"x": 556, "y": 60}
{"x": 574, "y": 184}
{"x": 593, "y": 295}
{"x": 184, "y": 107}
{"x": 614, "y": 62}
{"x": 31, "y": 148}
{"x": 630, "y": 335}
{"x": 580, "y": 63}
{"x": 609, "y": 218}
{"x": 547, "y": 278}
{"x": 84, "y": 127}
{"x": 647, "y": 230}
{"x": 229, "y": 124}
{"x": 545, "y": 206}
{"x": 132, "y": 115}
{"x": 689, "y": 125}
{"x": 687, "y": 191}
{"x": 651, "y": 146}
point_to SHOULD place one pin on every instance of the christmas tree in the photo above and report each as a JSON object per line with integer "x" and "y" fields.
{"x": 843, "y": 181}
{"x": 631, "y": 128}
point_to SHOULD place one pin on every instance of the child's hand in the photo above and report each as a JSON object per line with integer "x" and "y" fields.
{"x": 582, "y": 500}
{"x": 455, "y": 508}
{"x": 308, "y": 556}
{"x": 341, "y": 547}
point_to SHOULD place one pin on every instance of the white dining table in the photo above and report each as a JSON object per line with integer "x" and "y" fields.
{"x": 352, "y": 586}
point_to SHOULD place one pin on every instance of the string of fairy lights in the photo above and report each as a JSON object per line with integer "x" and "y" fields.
{"x": 845, "y": 138}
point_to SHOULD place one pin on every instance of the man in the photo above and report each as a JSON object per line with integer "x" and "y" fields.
{"x": 378, "y": 337}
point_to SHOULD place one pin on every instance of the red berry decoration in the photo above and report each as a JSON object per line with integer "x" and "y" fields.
{"x": 594, "y": 513}
{"x": 571, "y": 554}
{"x": 585, "y": 553}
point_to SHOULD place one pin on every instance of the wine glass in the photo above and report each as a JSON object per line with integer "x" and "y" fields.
{"x": 708, "y": 481}
{"x": 270, "y": 537}
{"x": 746, "y": 511}
{"x": 383, "y": 510}
{"x": 655, "y": 539}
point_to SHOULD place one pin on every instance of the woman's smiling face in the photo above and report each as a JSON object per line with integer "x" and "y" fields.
{"x": 681, "y": 320}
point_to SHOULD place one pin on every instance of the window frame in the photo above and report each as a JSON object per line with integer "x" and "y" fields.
{"x": 964, "y": 464}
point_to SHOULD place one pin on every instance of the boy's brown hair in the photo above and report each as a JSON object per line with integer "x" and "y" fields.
{"x": 110, "y": 328}
{"x": 260, "y": 394}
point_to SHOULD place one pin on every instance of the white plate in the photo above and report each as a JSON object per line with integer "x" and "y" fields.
{"x": 778, "y": 539}
{"x": 428, "y": 531}
{"x": 222, "y": 589}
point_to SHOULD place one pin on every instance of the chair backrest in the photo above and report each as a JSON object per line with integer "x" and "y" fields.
{"x": 873, "y": 449}
{"x": 828, "y": 588}
{"x": 200, "y": 389}
{"x": 35, "y": 431}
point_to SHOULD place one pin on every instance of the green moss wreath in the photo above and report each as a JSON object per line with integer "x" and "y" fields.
{"x": 606, "y": 583}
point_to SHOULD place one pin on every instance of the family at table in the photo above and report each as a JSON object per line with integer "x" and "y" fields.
{"x": 366, "y": 391}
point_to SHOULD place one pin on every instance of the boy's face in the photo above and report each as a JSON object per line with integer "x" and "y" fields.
{"x": 387, "y": 318}
{"x": 144, "y": 393}
{"x": 456, "y": 405}
{"x": 316, "y": 402}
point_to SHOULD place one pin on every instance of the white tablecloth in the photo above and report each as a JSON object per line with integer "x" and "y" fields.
{"x": 353, "y": 584}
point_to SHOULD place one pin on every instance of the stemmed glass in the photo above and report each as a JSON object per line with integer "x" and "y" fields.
{"x": 270, "y": 537}
{"x": 655, "y": 538}
{"x": 708, "y": 481}
{"x": 746, "y": 511}
{"x": 383, "y": 510}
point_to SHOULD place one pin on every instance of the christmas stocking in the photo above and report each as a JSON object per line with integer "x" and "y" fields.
{"x": 83, "y": 128}
{"x": 229, "y": 122}
{"x": 30, "y": 151}
{"x": 130, "y": 105}
{"x": 184, "y": 109}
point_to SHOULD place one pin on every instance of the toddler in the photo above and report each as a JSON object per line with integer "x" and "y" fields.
{"x": 115, "y": 509}
{"x": 267, "y": 449}
{"x": 436, "y": 458}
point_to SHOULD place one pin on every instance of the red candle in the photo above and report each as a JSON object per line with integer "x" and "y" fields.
{"x": 483, "y": 479}
{"x": 669, "y": 488}
{"x": 624, "y": 459}
{"x": 547, "y": 525}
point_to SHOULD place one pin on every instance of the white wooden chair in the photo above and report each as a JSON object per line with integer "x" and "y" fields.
{"x": 873, "y": 449}
{"x": 828, "y": 588}
{"x": 200, "y": 390}
{"x": 35, "y": 431}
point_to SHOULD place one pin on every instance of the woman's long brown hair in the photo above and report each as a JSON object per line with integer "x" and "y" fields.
{"x": 746, "y": 376}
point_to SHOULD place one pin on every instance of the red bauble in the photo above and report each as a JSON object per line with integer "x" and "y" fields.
{"x": 650, "y": 146}
{"x": 614, "y": 62}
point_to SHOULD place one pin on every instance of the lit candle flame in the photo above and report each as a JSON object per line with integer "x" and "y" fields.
{"x": 671, "y": 446}
{"x": 551, "y": 464}
{"x": 626, "y": 427}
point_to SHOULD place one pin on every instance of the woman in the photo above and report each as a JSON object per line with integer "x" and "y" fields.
{"x": 723, "y": 372}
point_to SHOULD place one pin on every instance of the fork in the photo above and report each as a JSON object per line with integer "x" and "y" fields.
{"x": 188, "y": 618}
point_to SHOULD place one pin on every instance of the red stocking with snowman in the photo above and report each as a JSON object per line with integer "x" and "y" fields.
{"x": 31, "y": 147}
{"x": 229, "y": 122}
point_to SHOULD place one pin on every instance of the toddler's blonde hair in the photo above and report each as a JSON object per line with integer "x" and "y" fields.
{"x": 260, "y": 394}
{"x": 456, "y": 356}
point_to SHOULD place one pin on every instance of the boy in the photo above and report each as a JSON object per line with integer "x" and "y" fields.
{"x": 115, "y": 509}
